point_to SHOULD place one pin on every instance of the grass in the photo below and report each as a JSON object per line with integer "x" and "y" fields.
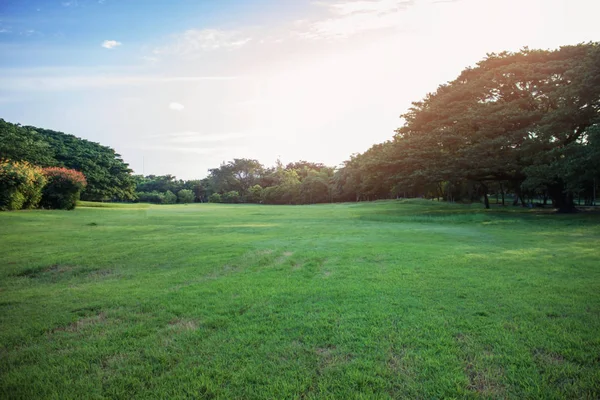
{"x": 410, "y": 299}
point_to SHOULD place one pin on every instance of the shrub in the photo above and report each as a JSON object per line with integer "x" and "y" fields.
{"x": 63, "y": 188}
{"x": 214, "y": 198}
{"x": 150, "y": 197}
{"x": 185, "y": 196}
{"x": 231, "y": 197}
{"x": 20, "y": 185}
{"x": 255, "y": 194}
{"x": 170, "y": 197}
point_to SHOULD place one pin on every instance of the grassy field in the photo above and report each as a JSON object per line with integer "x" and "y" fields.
{"x": 376, "y": 300}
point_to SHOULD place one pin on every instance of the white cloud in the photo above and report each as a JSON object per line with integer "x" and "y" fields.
{"x": 348, "y": 18}
{"x": 194, "y": 41}
{"x": 110, "y": 44}
{"x": 176, "y": 106}
{"x": 73, "y": 3}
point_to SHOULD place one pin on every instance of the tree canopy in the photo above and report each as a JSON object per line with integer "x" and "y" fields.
{"x": 108, "y": 176}
{"x": 527, "y": 119}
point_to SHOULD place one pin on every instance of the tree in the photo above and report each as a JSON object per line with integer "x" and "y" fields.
{"x": 170, "y": 197}
{"x": 237, "y": 175}
{"x": 511, "y": 118}
{"x": 108, "y": 176}
{"x": 185, "y": 196}
{"x": 231, "y": 197}
{"x": 214, "y": 198}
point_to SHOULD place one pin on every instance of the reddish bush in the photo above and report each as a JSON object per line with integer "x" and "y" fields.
{"x": 63, "y": 188}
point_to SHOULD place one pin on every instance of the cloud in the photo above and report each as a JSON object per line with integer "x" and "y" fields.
{"x": 176, "y": 106}
{"x": 110, "y": 44}
{"x": 348, "y": 18}
{"x": 195, "y": 41}
{"x": 73, "y": 3}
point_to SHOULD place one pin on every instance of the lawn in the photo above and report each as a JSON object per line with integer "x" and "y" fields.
{"x": 410, "y": 299}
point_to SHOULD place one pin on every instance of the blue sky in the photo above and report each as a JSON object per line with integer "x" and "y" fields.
{"x": 186, "y": 85}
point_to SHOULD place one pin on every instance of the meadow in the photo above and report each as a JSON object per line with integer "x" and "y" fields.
{"x": 397, "y": 299}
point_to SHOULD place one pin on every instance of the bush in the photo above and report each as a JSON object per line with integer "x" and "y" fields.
{"x": 170, "y": 197}
{"x": 63, "y": 188}
{"x": 150, "y": 197}
{"x": 255, "y": 194}
{"x": 20, "y": 185}
{"x": 231, "y": 197}
{"x": 214, "y": 198}
{"x": 185, "y": 196}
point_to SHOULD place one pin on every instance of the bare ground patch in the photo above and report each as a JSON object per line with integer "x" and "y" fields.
{"x": 82, "y": 323}
{"x": 485, "y": 380}
{"x": 182, "y": 325}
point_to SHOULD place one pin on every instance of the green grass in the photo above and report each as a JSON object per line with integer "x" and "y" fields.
{"x": 410, "y": 299}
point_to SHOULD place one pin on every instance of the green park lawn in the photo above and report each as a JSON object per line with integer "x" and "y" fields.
{"x": 398, "y": 299}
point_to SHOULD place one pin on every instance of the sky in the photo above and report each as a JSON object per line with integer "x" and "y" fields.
{"x": 180, "y": 86}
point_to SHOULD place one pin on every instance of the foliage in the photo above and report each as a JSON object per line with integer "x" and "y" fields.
{"x": 232, "y": 197}
{"x": 214, "y": 198}
{"x": 523, "y": 120}
{"x": 150, "y": 197}
{"x": 170, "y": 197}
{"x": 108, "y": 177}
{"x": 20, "y": 185}
{"x": 63, "y": 188}
{"x": 185, "y": 196}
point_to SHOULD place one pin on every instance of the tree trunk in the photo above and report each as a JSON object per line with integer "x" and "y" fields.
{"x": 486, "y": 200}
{"x": 502, "y": 191}
{"x": 562, "y": 200}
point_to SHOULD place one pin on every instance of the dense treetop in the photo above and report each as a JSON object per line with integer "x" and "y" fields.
{"x": 108, "y": 176}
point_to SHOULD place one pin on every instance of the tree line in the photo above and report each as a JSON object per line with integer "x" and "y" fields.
{"x": 521, "y": 125}
{"x": 108, "y": 176}
{"x": 525, "y": 123}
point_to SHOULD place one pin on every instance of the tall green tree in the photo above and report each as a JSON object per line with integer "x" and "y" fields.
{"x": 512, "y": 118}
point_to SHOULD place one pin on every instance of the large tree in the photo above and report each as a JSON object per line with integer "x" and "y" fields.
{"x": 512, "y": 118}
{"x": 108, "y": 176}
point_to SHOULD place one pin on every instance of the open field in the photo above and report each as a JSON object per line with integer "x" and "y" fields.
{"x": 374, "y": 300}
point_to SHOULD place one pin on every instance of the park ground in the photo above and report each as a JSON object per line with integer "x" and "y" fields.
{"x": 396, "y": 299}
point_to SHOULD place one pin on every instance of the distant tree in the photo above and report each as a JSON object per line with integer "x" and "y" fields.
{"x": 231, "y": 197}
{"x": 108, "y": 176}
{"x": 237, "y": 175}
{"x": 185, "y": 196}
{"x": 255, "y": 194}
{"x": 170, "y": 197}
{"x": 214, "y": 198}
{"x": 18, "y": 143}
{"x": 198, "y": 188}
